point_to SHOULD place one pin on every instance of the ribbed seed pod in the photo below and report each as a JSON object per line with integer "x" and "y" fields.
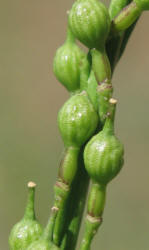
{"x": 103, "y": 154}
{"x": 90, "y": 22}
{"x": 142, "y": 4}
{"x": 28, "y": 229}
{"x": 77, "y": 120}
{"x": 67, "y": 63}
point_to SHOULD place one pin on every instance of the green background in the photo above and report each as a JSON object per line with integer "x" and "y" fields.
{"x": 30, "y": 144}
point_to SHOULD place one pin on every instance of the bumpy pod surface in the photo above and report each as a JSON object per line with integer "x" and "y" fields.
{"x": 77, "y": 120}
{"x": 24, "y": 233}
{"x": 90, "y": 22}
{"x": 103, "y": 155}
{"x": 42, "y": 244}
{"x": 67, "y": 64}
{"x": 142, "y": 4}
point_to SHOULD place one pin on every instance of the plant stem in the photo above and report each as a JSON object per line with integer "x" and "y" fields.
{"x": 76, "y": 206}
{"x": 48, "y": 232}
{"x": 91, "y": 226}
{"x": 125, "y": 18}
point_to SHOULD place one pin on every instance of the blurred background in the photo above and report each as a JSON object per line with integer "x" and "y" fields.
{"x": 30, "y": 144}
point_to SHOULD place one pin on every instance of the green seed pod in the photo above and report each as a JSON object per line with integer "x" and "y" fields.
{"x": 42, "y": 244}
{"x": 90, "y": 22}
{"x": 103, "y": 154}
{"x": 67, "y": 63}
{"x": 28, "y": 229}
{"x": 104, "y": 92}
{"x": 77, "y": 120}
{"x": 45, "y": 240}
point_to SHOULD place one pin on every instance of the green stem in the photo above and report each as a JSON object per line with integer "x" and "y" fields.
{"x": 125, "y": 18}
{"x": 91, "y": 226}
{"x": 67, "y": 172}
{"x": 116, "y": 6}
{"x": 101, "y": 65}
{"x": 48, "y": 232}
{"x": 96, "y": 203}
{"x": 96, "y": 200}
{"x": 76, "y": 206}
{"x": 104, "y": 93}
{"x": 70, "y": 37}
{"x": 29, "y": 210}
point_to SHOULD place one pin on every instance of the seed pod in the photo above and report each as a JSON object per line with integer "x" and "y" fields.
{"x": 67, "y": 63}
{"x": 45, "y": 240}
{"x": 77, "y": 120}
{"x": 28, "y": 229}
{"x": 42, "y": 244}
{"x": 90, "y": 22}
{"x": 142, "y": 4}
{"x": 103, "y": 154}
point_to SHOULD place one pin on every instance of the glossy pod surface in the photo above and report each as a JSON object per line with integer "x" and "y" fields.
{"x": 24, "y": 233}
{"x": 90, "y": 22}
{"x": 77, "y": 120}
{"x": 67, "y": 63}
{"x": 103, "y": 157}
{"x": 42, "y": 245}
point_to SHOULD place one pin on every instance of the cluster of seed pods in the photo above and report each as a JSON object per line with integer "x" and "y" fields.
{"x": 86, "y": 119}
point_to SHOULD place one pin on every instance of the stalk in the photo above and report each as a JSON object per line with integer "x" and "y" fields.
{"x": 76, "y": 205}
{"x": 29, "y": 213}
{"x": 116, "y": 45}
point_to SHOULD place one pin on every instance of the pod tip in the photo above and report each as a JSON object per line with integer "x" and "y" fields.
{"x": 31, "y": 184}
{"x": 113, "y": 101}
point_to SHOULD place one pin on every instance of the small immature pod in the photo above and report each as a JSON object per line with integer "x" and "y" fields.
{"x": 103, "y": 154}
{"x": 67, "y": 63}
{"x": 90, "y": 22}
{"x": 28, "y": 229}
